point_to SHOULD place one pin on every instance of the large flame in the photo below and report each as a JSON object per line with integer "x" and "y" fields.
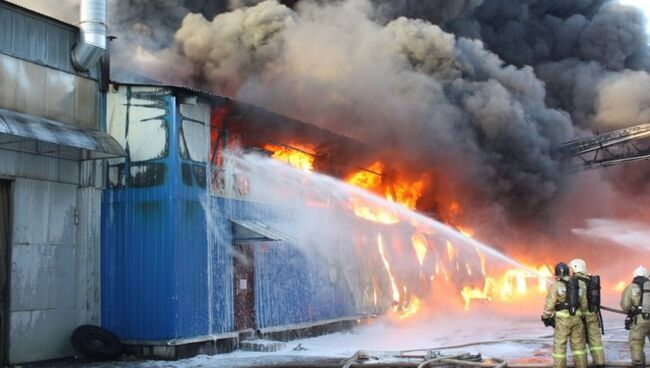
{"x": 394, "y": 190}
{"x": 469, "y": 277}
{"x": 297, "y": 155}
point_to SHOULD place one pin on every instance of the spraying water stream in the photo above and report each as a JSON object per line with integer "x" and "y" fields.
{"x": 322, "y": 220}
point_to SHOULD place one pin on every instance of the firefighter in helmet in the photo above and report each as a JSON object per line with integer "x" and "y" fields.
{"x": 590, "y": 286}
{"x": 636, "y": 303}
{"x": 562, "y": 310}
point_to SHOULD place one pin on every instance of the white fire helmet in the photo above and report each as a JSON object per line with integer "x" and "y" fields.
{"x": 578, "y": 266}
{"x": 641, "y": 271}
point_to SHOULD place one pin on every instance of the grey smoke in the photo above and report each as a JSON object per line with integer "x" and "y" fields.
{"x": 436, "y": 98}
{"x": 494, "y": 84}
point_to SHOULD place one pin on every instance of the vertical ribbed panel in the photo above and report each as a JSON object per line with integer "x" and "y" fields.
{"x": 138, "y": 257}
{"x": 167, "y": 261}
{"x": 33, "y": 38}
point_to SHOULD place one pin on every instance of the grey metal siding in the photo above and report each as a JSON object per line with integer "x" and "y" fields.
{"x": 42, "y": 298}
{"x": 27, "y": 165}
{"x": 87, "y": 279}
{"x": 35, "y": 38}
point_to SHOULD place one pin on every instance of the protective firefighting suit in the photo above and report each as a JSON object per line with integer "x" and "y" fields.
{"x": 639, "y": 326}
{"x": 567, "y": 327}
{"x": 591, "y": 321}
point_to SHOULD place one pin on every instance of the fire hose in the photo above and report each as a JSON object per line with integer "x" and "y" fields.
{"x": 432, "y": 357}
{"x": 613, "y": 310}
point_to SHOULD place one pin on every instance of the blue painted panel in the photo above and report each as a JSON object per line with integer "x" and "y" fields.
{"x": 167, "y": 261}
{"x": 138, "y": 257}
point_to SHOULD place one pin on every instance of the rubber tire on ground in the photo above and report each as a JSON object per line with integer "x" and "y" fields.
{"x": 96, "y": 343}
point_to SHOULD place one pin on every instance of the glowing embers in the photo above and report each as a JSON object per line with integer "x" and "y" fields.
{"x": 296, "y": 155}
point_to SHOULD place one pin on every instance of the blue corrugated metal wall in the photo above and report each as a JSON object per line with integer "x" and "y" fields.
{"x": 139, "y": 256}
{"x": 167, "y": 275}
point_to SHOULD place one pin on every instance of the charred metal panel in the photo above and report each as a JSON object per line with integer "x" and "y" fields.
{"x": 38, "y": 39}
{"x": 40, "y": 91}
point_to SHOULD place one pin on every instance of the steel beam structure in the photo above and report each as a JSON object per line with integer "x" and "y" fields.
{"x": 608, "y": 149}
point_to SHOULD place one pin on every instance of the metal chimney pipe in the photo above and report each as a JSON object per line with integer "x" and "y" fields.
{"x": 92, "y": 36}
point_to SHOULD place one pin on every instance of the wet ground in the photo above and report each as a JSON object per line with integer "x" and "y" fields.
{"x": 518, "y": 341}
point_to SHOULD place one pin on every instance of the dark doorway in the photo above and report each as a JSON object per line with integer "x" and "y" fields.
{"x": 244, "y": 295}
{"x": 5, "y": 223}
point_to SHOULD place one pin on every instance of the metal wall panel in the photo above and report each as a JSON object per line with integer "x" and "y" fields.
{"x": 40, "y": 335}
{"x": 43, "y": 270}
{"x": 31, "y": 166}
{"x": 41, "y": 91}
{"x": 138, "y": 266}
{"x": 40, "y": 40}
{"x": 87, "y": 256}
{"x": 291, "y": 287}
{"x": 167, "y": 251}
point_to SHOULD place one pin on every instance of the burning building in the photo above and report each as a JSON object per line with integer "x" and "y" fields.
{"x": 189, "y": 261}
{"x": 452, "y": 114}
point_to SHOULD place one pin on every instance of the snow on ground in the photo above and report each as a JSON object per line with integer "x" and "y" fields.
{"x": 494, "y": 336}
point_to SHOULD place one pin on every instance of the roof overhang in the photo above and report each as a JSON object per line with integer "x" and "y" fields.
{"x": 251, "y": 231}
{"x": 33, "y": 134}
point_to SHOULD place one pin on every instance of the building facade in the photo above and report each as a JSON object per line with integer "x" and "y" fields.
{"x": 51, "y": 117}
{"x": 187, "y": 258}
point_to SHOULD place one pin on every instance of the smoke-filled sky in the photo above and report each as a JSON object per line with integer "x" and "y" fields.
{"x": 469, "y": 95}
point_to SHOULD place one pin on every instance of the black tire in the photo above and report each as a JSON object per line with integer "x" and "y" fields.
{"x": 96, "y": 343}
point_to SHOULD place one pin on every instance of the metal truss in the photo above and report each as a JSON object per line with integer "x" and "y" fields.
{"x": 608, "y": 149}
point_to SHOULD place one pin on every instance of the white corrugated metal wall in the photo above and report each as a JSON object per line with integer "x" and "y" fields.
{"x": 54, "y": 268}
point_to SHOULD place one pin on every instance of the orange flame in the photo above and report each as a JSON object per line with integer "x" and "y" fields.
{"x": 511, "y": 284}
{"x": 398, "y": 191}
{"x": 420, "y": 245}
{"x": 296, "y": 155}
{"x": 412, "y": 308}
{"x": 393, "y": 284}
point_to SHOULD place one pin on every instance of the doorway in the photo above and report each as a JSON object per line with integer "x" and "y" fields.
{"x": 5, "y": 224}
{"x": 244, "y": 287}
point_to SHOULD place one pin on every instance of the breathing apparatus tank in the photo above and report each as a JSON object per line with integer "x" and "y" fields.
{"x": 644, "y": 304}
{"x": 593, "y": 293}
{"x": 573, "y": 295}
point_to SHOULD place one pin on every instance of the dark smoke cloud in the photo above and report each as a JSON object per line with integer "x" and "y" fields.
{"x": 492, "y": 84}
{"x": 436, "y": 98}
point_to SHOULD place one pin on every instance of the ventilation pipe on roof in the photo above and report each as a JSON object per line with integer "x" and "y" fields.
{"x": 92, "y": 36}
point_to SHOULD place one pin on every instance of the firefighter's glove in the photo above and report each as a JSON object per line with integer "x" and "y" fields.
{"x": 548, "y": 321}
{"x": 628, "y": 322}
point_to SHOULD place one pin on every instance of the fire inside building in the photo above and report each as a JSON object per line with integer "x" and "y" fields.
{"x": 120, "y": 207}
{"x": 187, "y": 258}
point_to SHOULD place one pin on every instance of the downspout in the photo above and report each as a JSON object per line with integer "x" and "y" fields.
{"x": 92, "y": 35}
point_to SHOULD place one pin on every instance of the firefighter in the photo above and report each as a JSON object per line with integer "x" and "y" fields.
{"x": 591, "y": 317}
{"x": 636, "y": 303}
{"x": 565, "y": 302}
